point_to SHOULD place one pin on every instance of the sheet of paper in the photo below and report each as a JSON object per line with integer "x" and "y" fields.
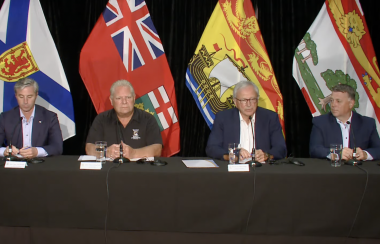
{"x": 200, "y": 163}
{"x": 86, "y": 158}
{"x": 147, "y": 159}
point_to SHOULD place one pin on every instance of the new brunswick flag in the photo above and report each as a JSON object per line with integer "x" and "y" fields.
{"x": 231, "y": 49}
{"x": 338, "y": 49}
{"x": 124, "y": 44}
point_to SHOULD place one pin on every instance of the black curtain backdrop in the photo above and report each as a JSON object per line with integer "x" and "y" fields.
{"x": 180, "y": 24}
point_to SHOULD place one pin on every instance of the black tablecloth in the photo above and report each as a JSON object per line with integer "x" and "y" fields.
{"x": 313, "y": 200}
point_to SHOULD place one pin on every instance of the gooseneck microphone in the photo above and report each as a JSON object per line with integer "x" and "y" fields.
{"x": 254, "y": 163}
{"x": 121, "y": 159}
{"x": 353, "y": 161}
{"x": 10, "y": 157}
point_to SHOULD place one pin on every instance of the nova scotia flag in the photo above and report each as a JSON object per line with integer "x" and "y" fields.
{"x": 27, "y": 50}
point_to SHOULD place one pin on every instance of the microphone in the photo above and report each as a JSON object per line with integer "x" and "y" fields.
{"x": 10, "y": 157}
{"x": 353, "y": 161}
{"x": 254, "y": 163}
{"x": 121, "y": 159}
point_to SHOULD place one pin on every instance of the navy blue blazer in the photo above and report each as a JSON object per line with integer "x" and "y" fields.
{"x": 46, "y": 132}
{"x": 326, "y": 131}
{"x": 226, "y": 129}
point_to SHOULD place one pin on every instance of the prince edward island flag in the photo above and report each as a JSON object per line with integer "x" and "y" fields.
{"x": 27, "y": 50}
{"x": 338, "y": 49}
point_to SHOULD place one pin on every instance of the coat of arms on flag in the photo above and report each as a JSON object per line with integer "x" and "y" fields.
{"x": 338, "y": 49}
{"x": 158, "y": 104}
{"x": 124, "y": 44}
{"x": 231, "y": 49}
{"x": 28, "y": 50}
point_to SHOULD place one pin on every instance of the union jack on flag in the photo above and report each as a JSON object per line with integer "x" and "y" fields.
{"x": 124, "y": 40}
{"x": 124, "y": 44}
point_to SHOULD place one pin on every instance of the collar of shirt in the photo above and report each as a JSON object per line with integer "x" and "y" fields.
{"x": 135, "y": 115}
{"x": 246, "y": 133}
{"x": 31, "y": 117}
{"x": 345, "y": 128}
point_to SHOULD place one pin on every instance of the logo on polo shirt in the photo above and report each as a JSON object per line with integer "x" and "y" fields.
{"x": 135, "y": 134}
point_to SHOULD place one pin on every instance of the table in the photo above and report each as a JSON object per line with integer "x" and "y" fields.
{"x": 58, "y": 201}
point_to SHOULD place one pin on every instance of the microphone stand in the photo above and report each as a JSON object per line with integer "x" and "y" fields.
{"x": 254, "y": 163}
{"x": 10, "y": 157}
{"x": 121, "y": 159}
{"x": 353, "y": 161}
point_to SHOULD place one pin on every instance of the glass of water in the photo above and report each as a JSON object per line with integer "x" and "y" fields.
{"x": 336, "y": 155}
{"x": 101, "y": 148}
{"x": 234, "y": 153}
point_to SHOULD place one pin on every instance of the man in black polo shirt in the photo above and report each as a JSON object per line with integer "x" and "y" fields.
{"x": 137, "y": 129}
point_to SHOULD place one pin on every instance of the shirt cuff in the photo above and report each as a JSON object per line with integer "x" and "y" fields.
{"x": 2, "y": 150}
{"x": 41, "y": 152}
{"x": 369, "y": 156}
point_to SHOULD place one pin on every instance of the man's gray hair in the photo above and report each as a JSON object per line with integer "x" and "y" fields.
{"x": 26, "y": 82}
{"x": 121, "y": 83}
{"x": 345, "y": 88}
{"x": 244, "y": 84}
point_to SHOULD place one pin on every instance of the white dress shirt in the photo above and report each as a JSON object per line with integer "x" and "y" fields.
{"x": 246, "y": 133}
{"x": 345, "y": 128}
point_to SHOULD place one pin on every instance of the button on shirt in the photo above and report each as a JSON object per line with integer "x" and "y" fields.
{"x": 246, "y": 133}
{"x": 27, "y": 126}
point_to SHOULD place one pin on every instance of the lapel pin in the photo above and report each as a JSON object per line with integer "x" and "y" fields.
{"x": 40, "y": 121}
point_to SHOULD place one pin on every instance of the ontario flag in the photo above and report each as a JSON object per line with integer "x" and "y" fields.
{"x": 124, "y": 44}
{"x": 338, "y": 49}
{"x": 231, "y": 49}
{"x": 28, "y": 50}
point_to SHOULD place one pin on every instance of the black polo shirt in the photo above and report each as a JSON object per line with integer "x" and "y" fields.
{"x": 142, "y": 130}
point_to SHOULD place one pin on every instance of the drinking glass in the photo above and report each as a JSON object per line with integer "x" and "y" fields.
{"x": 101, "y": 148}
{"x": 336, "y": 155}
{"x": 234, "y": 152}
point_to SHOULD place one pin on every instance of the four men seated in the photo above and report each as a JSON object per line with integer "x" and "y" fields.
{"x": 35, "y": 132}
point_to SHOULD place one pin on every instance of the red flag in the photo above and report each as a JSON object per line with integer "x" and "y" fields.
{"x": 124, "y": 44}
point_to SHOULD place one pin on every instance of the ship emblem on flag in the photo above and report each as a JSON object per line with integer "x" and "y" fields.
{"x": 28, "y": 50}
{"x": 231, "y": 50}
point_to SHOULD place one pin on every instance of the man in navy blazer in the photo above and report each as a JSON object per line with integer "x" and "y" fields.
{"x": 235, "y": 126}
{"x": 33, "y": 130}
{"x": 334, "y": 128}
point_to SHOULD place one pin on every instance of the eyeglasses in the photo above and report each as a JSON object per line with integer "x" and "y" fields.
{"x": 245, "y": 101}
